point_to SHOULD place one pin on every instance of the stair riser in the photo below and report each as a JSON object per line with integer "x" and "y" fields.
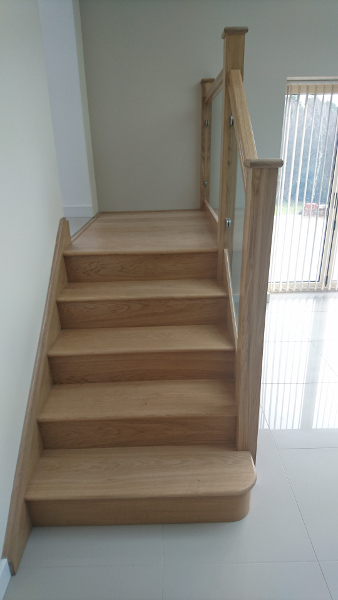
{"x": 138, "y": 313}
{"x": 127, "y": 267}
{"x": 190, "y": 509}
{"x": 139, "y": 432}
{"x": 142, "y": 366}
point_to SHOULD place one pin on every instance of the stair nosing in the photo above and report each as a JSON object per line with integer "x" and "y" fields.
{"x": 69, "y": 253}
{"x": 114, "y": 295}
{"x": 102, "y": 298}
{"x": 224, "y": 345}
{"x": 43, "y": 490}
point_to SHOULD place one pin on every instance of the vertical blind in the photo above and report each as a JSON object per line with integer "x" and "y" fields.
{"x": 304, "y": 244}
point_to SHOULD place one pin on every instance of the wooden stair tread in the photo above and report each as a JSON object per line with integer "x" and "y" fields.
{"x": 171, "y": 231}
{"x": 122, "y": 340}
{"x": 142, "y": 472}
{"x": 140, "y": 400}
{"x": 127, "y": 290}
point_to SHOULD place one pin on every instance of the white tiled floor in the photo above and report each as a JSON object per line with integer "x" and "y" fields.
{"x": 285, "y": 549}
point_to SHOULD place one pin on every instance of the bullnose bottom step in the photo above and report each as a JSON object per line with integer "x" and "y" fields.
{"x": 167, "y": 484}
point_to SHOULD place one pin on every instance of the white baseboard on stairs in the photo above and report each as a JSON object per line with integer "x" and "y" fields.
{"x": 78, "y": 211}
{"x": 5, "y": 577}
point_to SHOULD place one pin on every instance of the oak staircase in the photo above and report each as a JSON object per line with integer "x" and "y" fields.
{"x": 144, "y": 402}
{"x": 140, "y": 424}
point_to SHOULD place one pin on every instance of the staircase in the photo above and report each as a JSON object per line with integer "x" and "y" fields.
{"x": 144, "y": 403}
{"x": 140, "y": 423}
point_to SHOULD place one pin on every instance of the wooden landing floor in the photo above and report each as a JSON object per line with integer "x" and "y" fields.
{"x": 165, "y": 231}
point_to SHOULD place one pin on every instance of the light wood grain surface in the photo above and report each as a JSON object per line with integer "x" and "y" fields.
{"x": 201, "y": 509}
{"x": 213, "y": 217}
{"x": 135, "y": 303}
{"x": 233, "y": 59}
{"x": 130, "y": 267}
{"x": 19, "y": 522}
{"x": 231, "y": 314}
{"x": 145, "y": 413}
{"x": 141, "y": 366}
{"x": 214, "y": 89}
{"x": 120, "y": 340}
{"x": 141, "y": 353}
{"x": 139, "y": 399}
{"x": 167, "y": 231}
{"x": 231, "y": 202}
{"x": 140, "y": 290}
{"x": 257, "y": 234}
{"x": 168, "y": 471}
{"x": 264, "y": 163}
{"x": 234, "y": 31}
{"x": 206, "y": 120}
{"x": 242, "y": 122}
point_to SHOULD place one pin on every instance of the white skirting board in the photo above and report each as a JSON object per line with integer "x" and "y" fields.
{"x": 5, "y": 577}
{"x": 78, "y": 211}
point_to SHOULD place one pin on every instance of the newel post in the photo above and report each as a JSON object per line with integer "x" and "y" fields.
{"x": 260, "y": 198}
{"x": 205, "y": 143}
{"x": 233, "y": 58}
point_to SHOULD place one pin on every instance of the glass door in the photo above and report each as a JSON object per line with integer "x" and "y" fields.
{"x": 304, "y": 245}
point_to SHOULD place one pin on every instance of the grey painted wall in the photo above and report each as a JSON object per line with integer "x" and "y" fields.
{"x": 31, "y": 207}
{"x": 144, "y": 60}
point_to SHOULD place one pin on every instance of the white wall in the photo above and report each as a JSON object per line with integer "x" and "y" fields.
{"x": 62, "y": 40}
{"x": 144, "y": 60}
{"x": 30, "y": 208}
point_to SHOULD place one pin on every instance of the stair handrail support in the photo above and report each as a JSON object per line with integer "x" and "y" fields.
{"x": 206, "y": 84}
{"x": 260, "y": 194}
{"x": 260, "y": 184}
{"x": 233, "y": 59}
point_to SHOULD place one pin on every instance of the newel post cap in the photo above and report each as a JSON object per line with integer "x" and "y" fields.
{"x": 234, "y": 31}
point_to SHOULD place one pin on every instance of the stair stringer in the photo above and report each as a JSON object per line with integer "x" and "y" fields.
{"x": 19, "y": 522}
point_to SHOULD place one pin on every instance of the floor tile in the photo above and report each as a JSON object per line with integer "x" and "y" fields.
{"x": 273, "y": 531}
{"x": 274, "y": 581}
{"x": 329, "y": 351}
{"x": 324, "y": 325}
{"x": 313, "y": 475}
{"x": 87, "y": 583}
{"x": 302, "y": 302}
{"x": 81, "y": 546}
{"x": 267, "y": 555}
{"x": 294, "y": 362}
{"x": 302, "y": 415}
{"x": 288, "y": 326}
{"x": 330, "y": 571}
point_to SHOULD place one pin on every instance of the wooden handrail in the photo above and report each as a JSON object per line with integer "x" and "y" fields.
{"x": 215, "y": 88}
{"x": 242, "y": 122}
{"x": 260, "y": 182}
{"x": 261, "y": 163}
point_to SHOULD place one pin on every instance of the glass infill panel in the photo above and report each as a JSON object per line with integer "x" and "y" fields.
{"x": 215, "y": 154}
{"x": 234, "y": 240}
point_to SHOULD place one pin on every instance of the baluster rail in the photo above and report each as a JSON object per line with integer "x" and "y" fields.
{"x": 260, "y": 183}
